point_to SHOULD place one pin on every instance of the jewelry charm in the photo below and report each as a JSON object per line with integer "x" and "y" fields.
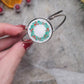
{"x": 40, "y": 30}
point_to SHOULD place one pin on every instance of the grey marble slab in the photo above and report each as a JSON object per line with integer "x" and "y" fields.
{"x": 64, "y": 51}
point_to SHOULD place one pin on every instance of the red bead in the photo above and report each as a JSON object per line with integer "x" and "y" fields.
{"x": 28, "y": 1}
{"x": 1, "y": 9}
{"x": 34, "y": 24}
{"x": 17, "y": 7}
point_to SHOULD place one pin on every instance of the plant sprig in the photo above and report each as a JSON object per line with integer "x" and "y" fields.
{"x": 82, "y": 5}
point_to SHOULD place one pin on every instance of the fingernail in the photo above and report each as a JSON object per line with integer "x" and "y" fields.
{"x": 27, "y": 44}
{"x": 23, "y": 26}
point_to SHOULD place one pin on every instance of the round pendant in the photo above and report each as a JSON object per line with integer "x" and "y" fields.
{"x": 40, "y": 30}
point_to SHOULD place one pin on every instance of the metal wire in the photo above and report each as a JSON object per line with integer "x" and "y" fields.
{"x": 57, "y": 14}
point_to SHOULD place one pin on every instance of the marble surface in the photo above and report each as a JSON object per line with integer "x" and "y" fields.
{"x": 61, "y": 59}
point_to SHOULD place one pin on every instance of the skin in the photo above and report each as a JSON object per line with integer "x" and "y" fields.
{"x": 11, "y": 51}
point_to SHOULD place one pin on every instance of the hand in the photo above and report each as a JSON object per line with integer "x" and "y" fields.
{"x": 12, "y": 50}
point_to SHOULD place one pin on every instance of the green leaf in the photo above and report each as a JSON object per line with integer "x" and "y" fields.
{"x": 82, "y": 5}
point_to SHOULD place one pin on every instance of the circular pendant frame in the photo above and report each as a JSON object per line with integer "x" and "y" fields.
{"x": 51, "y": 17}
{"x": 40, "y": 22}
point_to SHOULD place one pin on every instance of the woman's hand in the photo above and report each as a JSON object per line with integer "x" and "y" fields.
{"x": 12, "y": 50}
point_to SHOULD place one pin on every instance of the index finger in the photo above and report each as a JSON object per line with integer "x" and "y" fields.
{"x": 8, "y": 29}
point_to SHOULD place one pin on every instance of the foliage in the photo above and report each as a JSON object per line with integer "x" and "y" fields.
{"x": 82, "y": 4}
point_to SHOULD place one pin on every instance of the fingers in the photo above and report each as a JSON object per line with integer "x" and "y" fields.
{"x": 8, "y": 29}
{"x": 16, "y": 53}
{"x": 9, "y": 41}
{"x": 11, "y": 61}
{"x": 18, "y": 50}
{"x": 3, "y": 54}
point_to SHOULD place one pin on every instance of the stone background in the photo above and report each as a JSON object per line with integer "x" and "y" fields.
{"x": 61, "y": 59}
